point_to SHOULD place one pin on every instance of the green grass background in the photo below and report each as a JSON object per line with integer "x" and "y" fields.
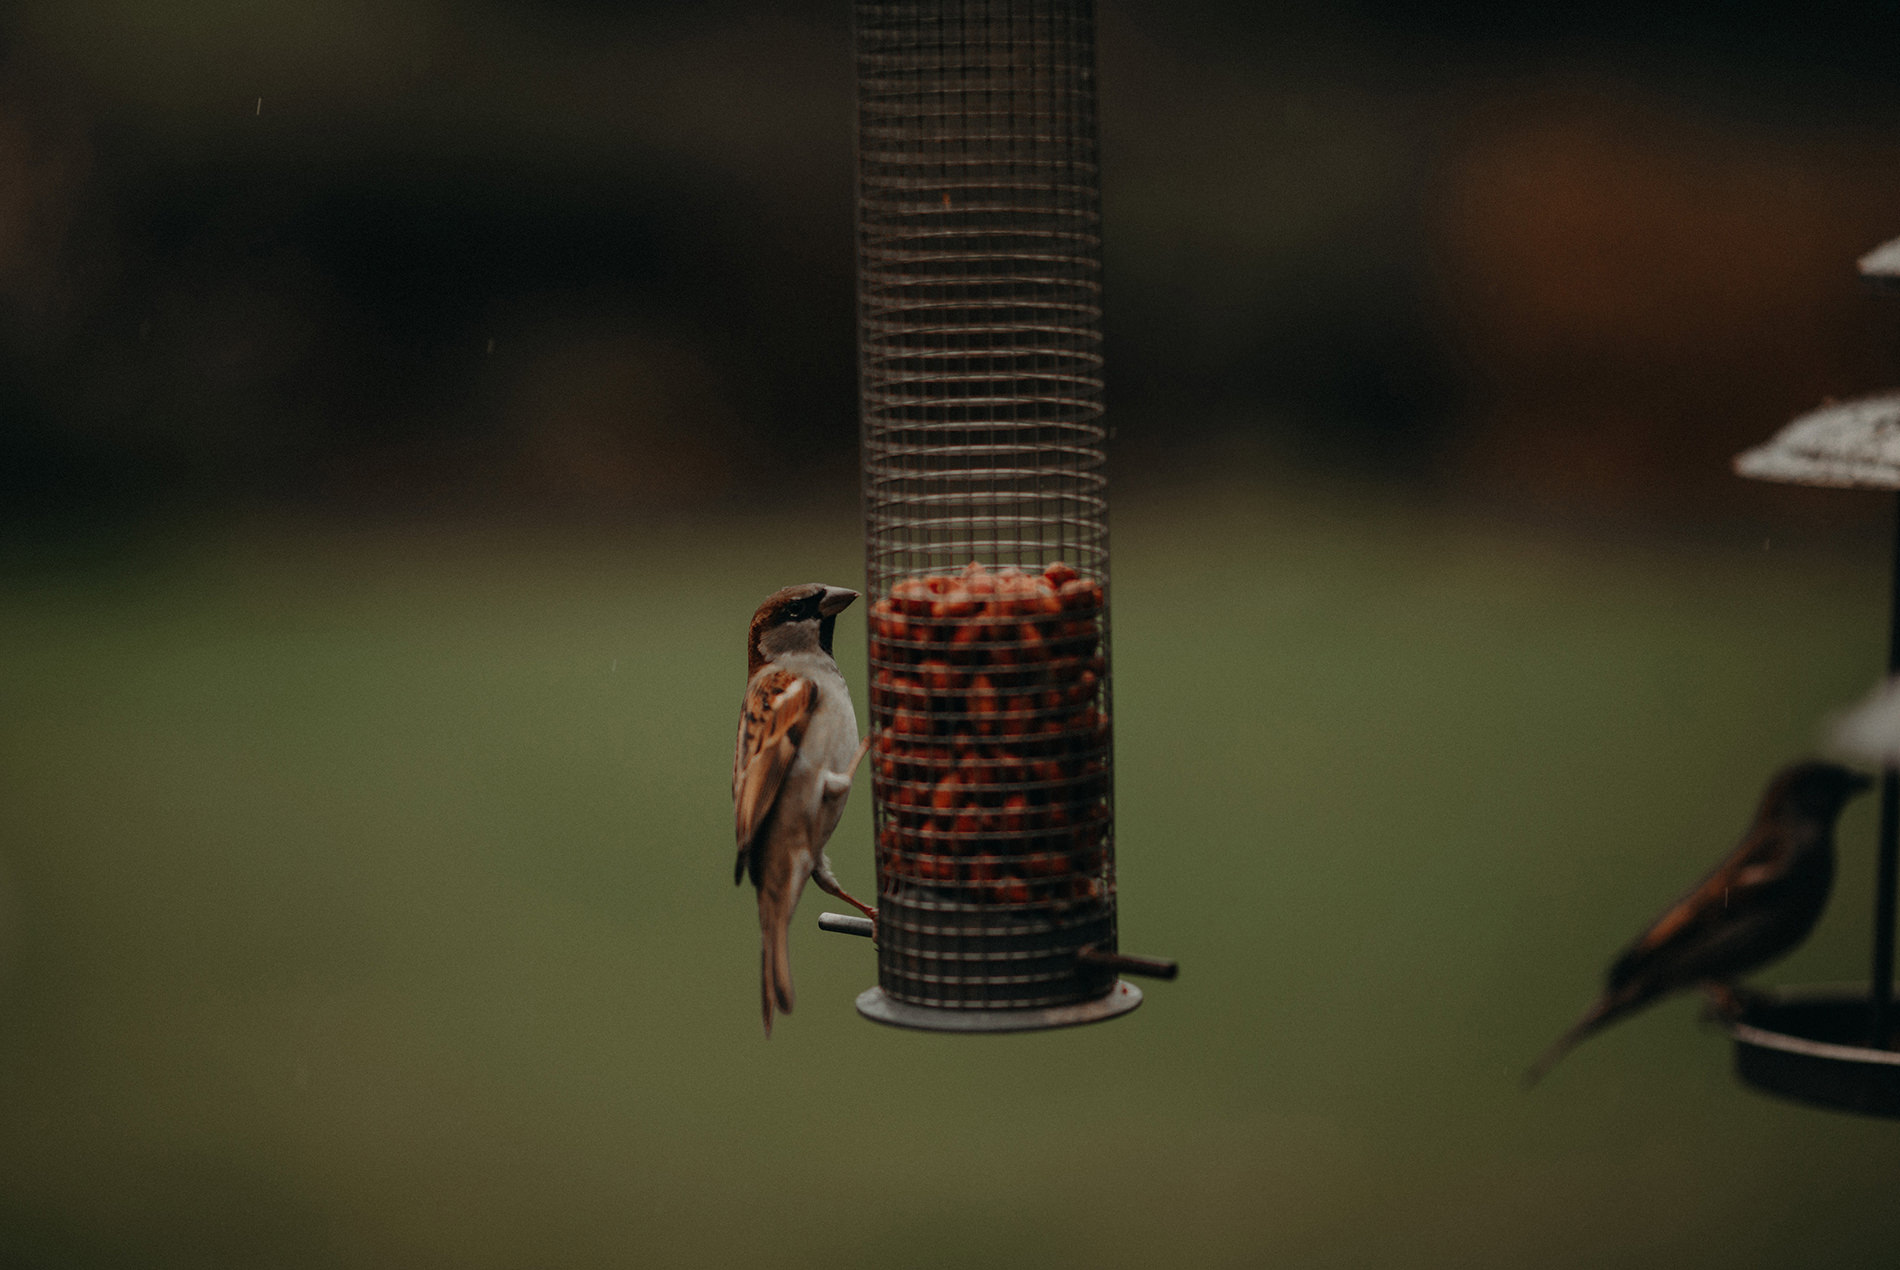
{"x": 365, "y": 901}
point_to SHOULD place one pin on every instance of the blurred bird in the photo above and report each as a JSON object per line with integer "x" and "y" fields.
{"x": 793, "y": 766}
{"x": 1757, "y": 905}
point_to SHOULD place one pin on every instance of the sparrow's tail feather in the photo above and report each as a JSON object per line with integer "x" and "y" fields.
{"x": 765, "y": 985}
{"x": 1604, "y": 1011}
{"x": 775, "y": 960}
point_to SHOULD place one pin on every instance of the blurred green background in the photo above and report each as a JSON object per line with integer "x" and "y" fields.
{"x": 403, "y": 406}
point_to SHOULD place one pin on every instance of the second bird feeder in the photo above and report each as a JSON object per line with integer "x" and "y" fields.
{"x": 986, "y": 518}
{"x": 1830, "y": 1045}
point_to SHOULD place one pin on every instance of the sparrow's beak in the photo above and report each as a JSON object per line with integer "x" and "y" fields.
{"x": 837, "y": 600}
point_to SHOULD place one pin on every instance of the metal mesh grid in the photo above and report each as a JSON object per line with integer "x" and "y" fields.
{"x": 985, "y": 500}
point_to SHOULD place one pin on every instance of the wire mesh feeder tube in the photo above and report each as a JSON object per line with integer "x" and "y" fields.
{"x": 985, "y": 502}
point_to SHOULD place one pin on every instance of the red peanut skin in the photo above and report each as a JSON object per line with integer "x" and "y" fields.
{"x": 1006, "y": 697}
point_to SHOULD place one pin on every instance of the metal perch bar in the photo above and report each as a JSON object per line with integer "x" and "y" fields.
{"x": 846, "y": 924}
{"x": 1130, "y": 964}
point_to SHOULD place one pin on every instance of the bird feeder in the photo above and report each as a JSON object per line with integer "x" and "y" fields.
{"x": 1833, "y": 1046}
{"x": 986, "y": 519}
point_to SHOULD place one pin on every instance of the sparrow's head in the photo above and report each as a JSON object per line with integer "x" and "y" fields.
{"x": 796, "y": 620}
{"x": 1816, "y": 790}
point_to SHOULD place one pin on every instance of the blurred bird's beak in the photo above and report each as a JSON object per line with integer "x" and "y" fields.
{"x": 837, "y": 600}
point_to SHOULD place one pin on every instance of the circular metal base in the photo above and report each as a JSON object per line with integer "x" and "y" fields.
{"x": 1809, "y": 1044}
{"x": 873, "y": 1004}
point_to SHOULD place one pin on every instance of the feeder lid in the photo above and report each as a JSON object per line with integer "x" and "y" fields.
{"x": 1847, "y": 444}
{"x": 1870, "y": 731}
{"x": 1881, "y": 267}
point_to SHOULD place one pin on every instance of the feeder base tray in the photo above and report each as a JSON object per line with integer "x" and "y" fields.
{"x": 1810, "y": 1045}
{"x": 873, "y": 1004}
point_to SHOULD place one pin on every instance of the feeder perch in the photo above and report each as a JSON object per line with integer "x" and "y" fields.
{"x": 1834, "y": 1046}
{"x": 986, "y": 519}
{"x": 1810, "y": 1044}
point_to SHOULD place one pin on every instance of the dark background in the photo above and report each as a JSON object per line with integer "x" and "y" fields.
{"x": 403, "y": 403}
{"x": 492, "y": 257}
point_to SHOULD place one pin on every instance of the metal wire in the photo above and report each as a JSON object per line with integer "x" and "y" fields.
{"x": 985, "y": 500}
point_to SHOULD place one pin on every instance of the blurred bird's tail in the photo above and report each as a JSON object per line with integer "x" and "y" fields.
{"x": 1590, "y": 1022}
{"x": 775, "y": 960}
{"x": 1605, "y": 1010}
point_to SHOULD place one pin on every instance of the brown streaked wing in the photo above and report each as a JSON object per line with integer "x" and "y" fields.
{"x": 1760, "y": 860}
{"x": 778, "y": 705}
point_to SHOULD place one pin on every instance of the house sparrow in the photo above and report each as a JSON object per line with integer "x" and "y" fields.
{"x": 1757, "y": 905}
{"x": 793, "y": 766}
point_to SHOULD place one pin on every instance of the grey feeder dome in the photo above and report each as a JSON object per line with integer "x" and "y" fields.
{"x": 1845, "y": 445}
{"x": 986, "y": 519}
{"x": 1880, "y": 268}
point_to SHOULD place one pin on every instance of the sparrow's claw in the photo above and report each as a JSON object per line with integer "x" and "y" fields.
{"x": 864, "y": 747}
{"x": 1728, "y": 1002}
{"x": 847, "y": 897}
{"x": 828, "y": 883}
